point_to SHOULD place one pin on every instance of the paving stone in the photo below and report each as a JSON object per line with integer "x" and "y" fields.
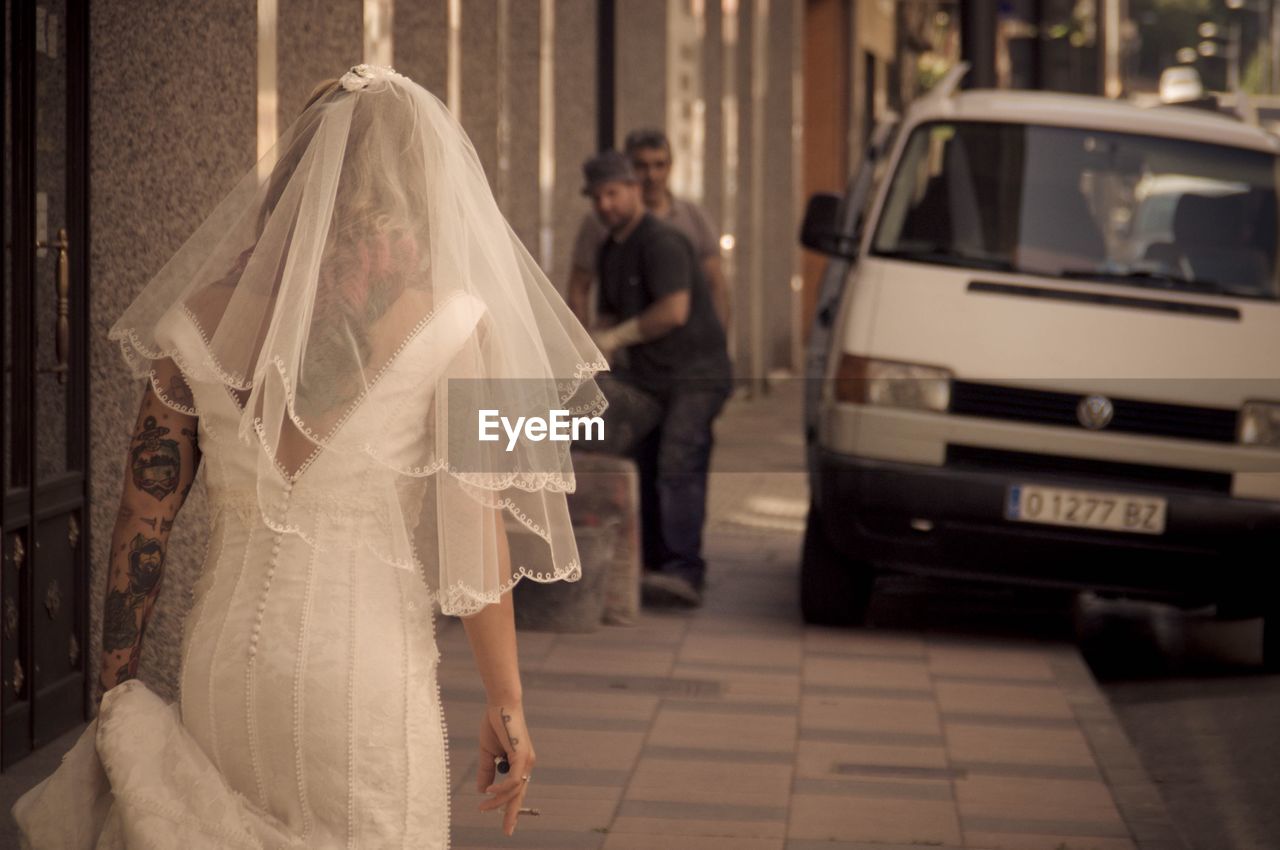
{"x": 700, "y": 781}
{"x": 989, "y": 662}
{"x": 679, "y": 826}
{"x": 867, "y": 672}
{"x": 874, "y": 819}
{"x": 726, "y": 756}
{"x": 1025, "y": 798}
{"x": 896, "y": 790}
{"x": 493, "y": 838}
{"x": 1015, "y": 841}
{"x": 607, "y": 660}
{"x": 708, "y": 730}
{"x": 634, "y": 841}
{"x": 821, "y": 759}
{"x": 870, "y": 714}
{"x": 736, "y": 650}
{"x": 873, "y": 738}
{"x": 1008, "y": 700}
{"x": 744, "y": 685}
{"x": 844, "y": 642}
{"x": 1083, "y": 832}
{"x": 558, "y": 814}
{"x": 976, "y": 743}
{"x": 800, "y": 844}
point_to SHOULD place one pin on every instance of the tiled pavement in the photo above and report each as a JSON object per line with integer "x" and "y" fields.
{"x": 736, "y": 727}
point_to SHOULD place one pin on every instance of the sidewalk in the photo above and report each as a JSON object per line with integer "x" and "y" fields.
{"x": 737, "y": 727}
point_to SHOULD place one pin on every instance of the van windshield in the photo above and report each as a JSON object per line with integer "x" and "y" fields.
{"x": 1116, "y": 207}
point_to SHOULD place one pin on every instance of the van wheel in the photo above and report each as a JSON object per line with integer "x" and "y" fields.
{"x": 834, "y": 591}
{"x": 1271, "y": 641}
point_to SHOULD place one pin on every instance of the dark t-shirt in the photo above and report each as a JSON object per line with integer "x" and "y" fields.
{"x": 654, "y": 261}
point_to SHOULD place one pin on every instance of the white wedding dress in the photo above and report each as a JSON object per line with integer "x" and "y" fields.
{"x": 310, "y": 713}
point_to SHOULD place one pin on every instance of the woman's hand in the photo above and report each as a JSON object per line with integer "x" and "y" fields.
{"x": 503, "y": 732}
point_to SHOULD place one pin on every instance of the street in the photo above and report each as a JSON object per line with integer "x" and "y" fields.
{"x": 962, "y": 716}
{"x": 738, "y": 726}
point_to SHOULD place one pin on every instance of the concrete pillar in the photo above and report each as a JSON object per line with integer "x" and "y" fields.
{"x": 316, "y": 40}
{"x": 713, "y": 121}
{"x": 420, "y": 44}
{"x": 167, "y": 146}
{"x": 642, "y": 65}
{"x": 780, "y": 224}
{"x": 575, "y": 127}
{"x": 480, "y": 80}
{"x": 752, "y": 83}
{"x": 519, "y": 120}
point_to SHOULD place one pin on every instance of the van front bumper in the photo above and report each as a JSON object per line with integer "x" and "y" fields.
{"x": 949, "y": 521}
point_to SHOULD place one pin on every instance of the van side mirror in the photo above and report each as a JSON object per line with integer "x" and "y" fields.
{"x": 821, "y": 229}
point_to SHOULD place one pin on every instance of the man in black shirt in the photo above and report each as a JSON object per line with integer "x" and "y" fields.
{"x": 655, "y": 303}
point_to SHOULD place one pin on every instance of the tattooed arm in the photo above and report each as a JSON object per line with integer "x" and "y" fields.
{"x": 163, "y": 456}
{"x": 492, "y": 634}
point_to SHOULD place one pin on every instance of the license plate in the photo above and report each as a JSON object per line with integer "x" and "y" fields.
{"x": 1085, "y": 509}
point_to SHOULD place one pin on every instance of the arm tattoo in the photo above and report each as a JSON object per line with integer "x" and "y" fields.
{"x": 155, "y": 461}
{"x": 506, "y": 720}
{"x": 149, "y": 520}
{"x": 120, "y": 610}
{"x": 129, "y": 668}
{"x": 119, "y": 626}
{"x": 180, "y": 390}
{"x": 146, "y": 563}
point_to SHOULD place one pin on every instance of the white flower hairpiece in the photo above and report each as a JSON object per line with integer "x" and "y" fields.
{"x": 360, "y": 75}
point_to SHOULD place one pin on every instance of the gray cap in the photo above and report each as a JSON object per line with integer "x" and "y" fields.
{"x": 605, "y": 167}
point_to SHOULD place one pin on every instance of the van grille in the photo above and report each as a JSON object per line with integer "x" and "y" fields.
{"x": 1111, "y": 472}
{"x": 1044, "y": 407}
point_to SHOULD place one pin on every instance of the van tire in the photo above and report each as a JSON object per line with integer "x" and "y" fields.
{"x": 1271, "y": 641}
{"x": 834, "y": 591}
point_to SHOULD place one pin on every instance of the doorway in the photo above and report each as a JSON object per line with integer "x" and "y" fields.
{"x": 43, "y": 322}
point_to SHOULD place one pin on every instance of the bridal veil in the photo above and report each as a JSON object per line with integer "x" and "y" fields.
{"x": 370, "y": 221}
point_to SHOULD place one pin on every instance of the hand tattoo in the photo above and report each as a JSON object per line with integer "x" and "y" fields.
{"x": 506, "y": 720}
{"x": 156, "y": 462}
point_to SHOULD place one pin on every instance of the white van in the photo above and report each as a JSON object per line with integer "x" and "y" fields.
{"x": 1031, "y": 365}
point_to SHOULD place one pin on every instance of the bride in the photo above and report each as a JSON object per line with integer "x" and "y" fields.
{"x": 321, "y": 347}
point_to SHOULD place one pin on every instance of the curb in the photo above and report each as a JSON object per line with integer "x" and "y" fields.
{"x": 1136, "y": 796}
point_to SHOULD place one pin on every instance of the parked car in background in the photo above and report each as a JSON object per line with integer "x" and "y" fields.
{"x": 1047, "y": 352}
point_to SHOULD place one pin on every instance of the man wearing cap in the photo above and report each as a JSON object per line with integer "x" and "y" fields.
{"x": 650, "y": 153}
{"x": 655, "y": 303}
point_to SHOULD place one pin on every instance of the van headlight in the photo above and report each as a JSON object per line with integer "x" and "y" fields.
{"x": 1260, "y": 424}
{"x": 884, "y": 383}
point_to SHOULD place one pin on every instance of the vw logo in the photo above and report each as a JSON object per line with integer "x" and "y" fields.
{"x": 1095, "y": 412}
